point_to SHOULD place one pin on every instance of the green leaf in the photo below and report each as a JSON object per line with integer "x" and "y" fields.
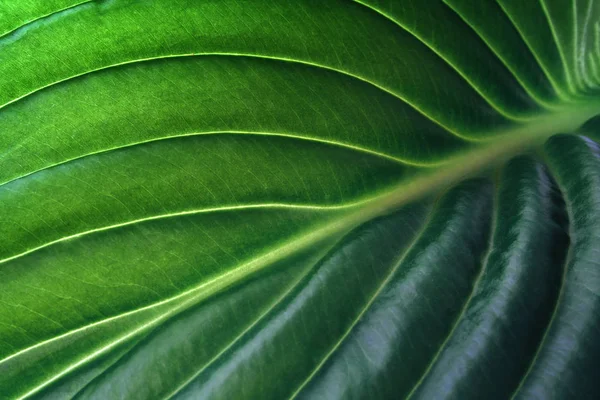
{"x": 324, "y": 200}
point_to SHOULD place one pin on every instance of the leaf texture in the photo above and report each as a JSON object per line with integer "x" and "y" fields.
{"x": 363, "y": 199}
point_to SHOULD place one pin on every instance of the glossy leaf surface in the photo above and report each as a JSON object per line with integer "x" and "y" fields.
{"x": 299, "y": 199}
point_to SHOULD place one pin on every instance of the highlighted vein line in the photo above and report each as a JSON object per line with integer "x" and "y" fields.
{"x": 110, "y": 319}
{"x": 254, "y": 133}
{"x": 541, "y": 343}
{"x": 566, "y": 69}
{"x": 567, "y": 266}
{"x": 467, "y": 303}
{"x": 457, "y": 322}
{"x": 525, "y": 136}
{"x": 254, "y": 323}
{"x": 509, "y": 66}
{"x": 379, "y": 204}
{"x": 564, "y": 95}
{"x": 50, "y": 14}
{"x": 475, "y": 87}
{"x": 580, "y": 49}
{"x": 368, "y": 304}
{"x": 259, "y": 56}
{"x": 192, "y": 212}
{"x": 195, "y": 294}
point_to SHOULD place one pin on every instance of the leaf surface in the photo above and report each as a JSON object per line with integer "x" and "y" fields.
{"x": 340, "y": 199}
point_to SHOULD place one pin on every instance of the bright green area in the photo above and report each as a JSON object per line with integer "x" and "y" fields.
{"x": 265, "y": 200}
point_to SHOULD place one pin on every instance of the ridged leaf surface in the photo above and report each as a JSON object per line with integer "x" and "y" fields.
{"x": 368, "y": 199}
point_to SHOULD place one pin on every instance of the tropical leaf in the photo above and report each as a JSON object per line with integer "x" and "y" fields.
{"x": 299, "y": 199}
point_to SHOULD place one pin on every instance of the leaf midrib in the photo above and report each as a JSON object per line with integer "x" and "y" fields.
{"x": 196, "y": 294}
{"x": 522, "y": 138}
{"x": 365, "y": 209}
{"x": 519, "y": 139}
